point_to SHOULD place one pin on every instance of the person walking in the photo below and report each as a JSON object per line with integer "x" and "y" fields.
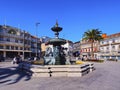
{"x": 14, "y": 60}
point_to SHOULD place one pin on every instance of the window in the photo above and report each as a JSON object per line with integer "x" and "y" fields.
{"x": 101, "y": 48}
{"x": 107, "y": 42}
{"x": 1, "y": 30}
{"x": 119, "y": 46}
{"x": 21, "y": 41}
{"x": 21, "y": 34}
{"x": 12, "y": 31}
{"x": 12, "y": 47}
{"x": 16, "y": 48}
{"x": 8, "y": 39}
{"x": 113, "y": 47}
{"x": 16, "y": 40}
{"x": 28, "y": 42}
{"x": 28, "y": 48}
{"x": 1, "y": 47}
{"x": 113, "y": 41}
{"x": 25, "y": 48}
{"x": 21, "y": 48}
{"x": 1, "y": 38}
{"x": 107, "y": 48}
{"x": 102, "y": 42}
{"x": 7, "y": 47}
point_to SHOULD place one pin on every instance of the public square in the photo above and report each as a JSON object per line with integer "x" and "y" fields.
{"x": 38, "y": 37}
{"x": 106, "y": 76}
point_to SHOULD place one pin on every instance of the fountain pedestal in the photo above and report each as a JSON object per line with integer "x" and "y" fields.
{"x": 58, "y": 53}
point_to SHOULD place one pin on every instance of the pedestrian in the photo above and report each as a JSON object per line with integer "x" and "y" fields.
{"x": 35, "y": 58}
{"x": 82, "y": 58}
{"x": 14, "y": 60}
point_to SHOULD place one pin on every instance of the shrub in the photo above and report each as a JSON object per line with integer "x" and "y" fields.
{"x": 112, "y": 60}
{"x": 79, "y": 62}
{"x": 95, "y": 60}
{"x": 38, "y": 62}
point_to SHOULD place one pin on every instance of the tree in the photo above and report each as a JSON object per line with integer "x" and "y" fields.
{"x": 92, "y": 36}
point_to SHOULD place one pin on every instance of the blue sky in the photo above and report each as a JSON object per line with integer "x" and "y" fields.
{"x": 75, "y": 16}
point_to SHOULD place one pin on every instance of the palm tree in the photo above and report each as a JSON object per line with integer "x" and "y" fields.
{"x": 92, "y": 36}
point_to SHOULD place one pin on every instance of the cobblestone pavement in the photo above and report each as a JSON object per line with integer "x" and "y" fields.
{"x": 105, "y": 77}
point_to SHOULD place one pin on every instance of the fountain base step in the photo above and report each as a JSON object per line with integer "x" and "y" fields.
{"x": 62, "y": 70}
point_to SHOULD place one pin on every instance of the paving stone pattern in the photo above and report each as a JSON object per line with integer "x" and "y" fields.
{"x": 105, "y": 77}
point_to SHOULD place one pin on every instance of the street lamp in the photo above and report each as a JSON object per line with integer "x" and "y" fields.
{"x": 23, "y": 44}
{"x": 37, "y": 38}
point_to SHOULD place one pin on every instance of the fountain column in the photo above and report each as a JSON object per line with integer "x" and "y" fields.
{"x": 58, "y": 53}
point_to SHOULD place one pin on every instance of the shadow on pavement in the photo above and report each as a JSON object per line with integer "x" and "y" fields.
{"x": 11, "y": 75}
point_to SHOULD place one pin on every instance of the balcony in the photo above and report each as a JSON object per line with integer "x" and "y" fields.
{"x": 11, "y": 43}
{"x": 110, "y": 53}
{"x": 102, "y": 45}
{"x": 27, "y": 45}
{"x": 27, "y": 38}
{"x": 11, "y": 35}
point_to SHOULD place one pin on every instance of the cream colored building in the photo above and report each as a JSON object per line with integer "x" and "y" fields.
{"x": 85, "y": 49}
{"x": 110, "y": 47}
{"x": 14, "y": 41}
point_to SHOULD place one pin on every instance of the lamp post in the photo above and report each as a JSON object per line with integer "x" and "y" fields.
{"x": 116, "y": 55}
{"x": 23, "y": 45}
{"x": 110, "y": 50}
{"x": 37, "y": 38}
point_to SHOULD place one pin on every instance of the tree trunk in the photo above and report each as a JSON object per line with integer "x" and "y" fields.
{"x": 92, "y": 53}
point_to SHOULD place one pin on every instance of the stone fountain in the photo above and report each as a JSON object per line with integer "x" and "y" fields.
{"x": 54, "y": 61}
{"x": 55, "y": 56}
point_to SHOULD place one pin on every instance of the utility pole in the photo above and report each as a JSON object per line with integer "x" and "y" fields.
{"x": 37, "y": 38}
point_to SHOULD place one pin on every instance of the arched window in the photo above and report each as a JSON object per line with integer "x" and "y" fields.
{"x": 12, "y": 31}
{"x": 107, "y": 48}
{"x": 113, "y": 47}
{"x": 113, "y": 41}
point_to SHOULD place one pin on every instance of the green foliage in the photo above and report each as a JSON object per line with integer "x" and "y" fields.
{"x": 92, "y": 35}
{"x": 38, "y": 62}
{"x": 112, "y": 59}
{"x": 94, "y": 60}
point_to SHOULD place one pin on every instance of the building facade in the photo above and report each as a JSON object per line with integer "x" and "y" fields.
{"x": 85, "y": 48}
{"x": 110, "y": 47}
{"x": 14, "y": 41}
{"x": 76, "y": 46}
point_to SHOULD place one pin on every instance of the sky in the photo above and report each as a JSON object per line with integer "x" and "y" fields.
{"x": 74, "y": 16}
